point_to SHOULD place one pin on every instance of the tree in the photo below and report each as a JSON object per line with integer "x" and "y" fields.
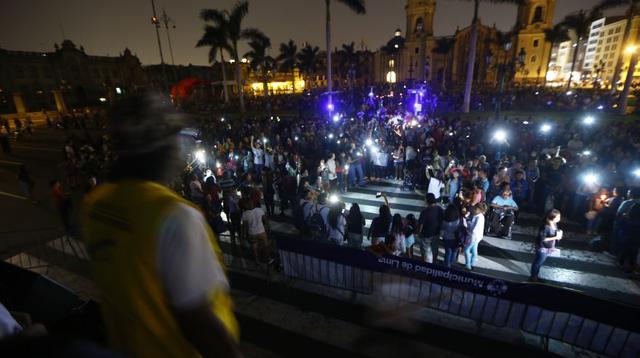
{"x": 444, "y": 46}
{"x": 580, "y": 24}
{"x": 349, "y": 60}
{"x": 234, "y": 33}
{"x": 358, "y": 7}
{"x": 308, "y": 60}
{"x": 215, "y": 38}
{"x": 473, "y": 45}
{"x": 553, "y": 36}
{"x": 632, "y": 8}
{"x": 288, "y": 60}
{"x": 260, "y": 61}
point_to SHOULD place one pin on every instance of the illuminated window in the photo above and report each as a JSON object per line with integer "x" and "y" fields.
{"x": 392, "y": 63}
{"x": 536, "y": 42}
{"x": 391, "y": 77}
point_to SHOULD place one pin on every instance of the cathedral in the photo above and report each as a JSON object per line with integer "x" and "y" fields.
{"x": 419, "y": 56}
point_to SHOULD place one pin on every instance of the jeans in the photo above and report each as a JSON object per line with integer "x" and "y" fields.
{"x": 355, "y": 170}
{"x": 354, "y": 240}
{"x": 428, "y": 248}
{"x": 470, "y": 255}
{"x": 450, "y": 250}
{"x": 258, "y": 170}
{"x": 538, "y": 261}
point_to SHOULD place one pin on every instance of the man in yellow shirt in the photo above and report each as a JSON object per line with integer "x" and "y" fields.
{"x": 155, "y": 259}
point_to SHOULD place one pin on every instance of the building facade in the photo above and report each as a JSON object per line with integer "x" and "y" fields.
{"x": 534, "y": 16}
{"x": 597, "y": 56}
{"x": 414, "y": 57}
{"x": 66, "y": 78}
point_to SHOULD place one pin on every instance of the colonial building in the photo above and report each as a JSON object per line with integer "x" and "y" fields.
{"x": 534, "y": 17}
{"x": 416, "y": 57}
{"x": 67, "y": 77}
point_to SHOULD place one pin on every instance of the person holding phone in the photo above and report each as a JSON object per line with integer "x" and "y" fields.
{"x": 545, "y": 243}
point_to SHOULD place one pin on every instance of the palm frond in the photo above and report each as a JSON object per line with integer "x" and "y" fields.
{"x": 356, "y": 5}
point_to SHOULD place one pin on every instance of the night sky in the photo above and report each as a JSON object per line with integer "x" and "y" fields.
{"x": 108, "y": 26}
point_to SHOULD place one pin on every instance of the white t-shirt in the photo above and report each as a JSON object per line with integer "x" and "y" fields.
{"x": 477, "y": 228}
{"x": 253, "y": 220}
{"x": 331, "y": 165}
{"x": 187, "y": 265}
{"x": 257, "y": 156}
{"x": 435, "y": 187}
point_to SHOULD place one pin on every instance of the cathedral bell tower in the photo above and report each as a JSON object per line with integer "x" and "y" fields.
{"x": 534, "y": 16}
{"x": 419, "y": 40}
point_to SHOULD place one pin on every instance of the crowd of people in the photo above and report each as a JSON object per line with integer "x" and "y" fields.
{"x": 494, "y": 167}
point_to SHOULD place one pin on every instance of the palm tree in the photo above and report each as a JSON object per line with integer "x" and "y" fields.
{"x": 632, "y": 7}
{"x": 308, "y": 60}
{"x": 349, "y": 59}
{"x": 214, "y": 37}
{"x": 444, "y": 46}
{"x": 231, "y": 22}
{"x": 358, "y": 7}
{"x": 580, "y": 24}
{"x": 260, "y": 61}
{"x": 553, "y": 36}
{"x": 288, "y": 60}
{"x": 473, "y": 44}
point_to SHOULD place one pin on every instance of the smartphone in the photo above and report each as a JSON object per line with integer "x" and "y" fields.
{"x": 378, "y": 194}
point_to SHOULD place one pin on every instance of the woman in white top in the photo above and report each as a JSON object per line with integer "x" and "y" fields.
{"x": 476, "y": 230}
{"x": 337, "y": 224}
{"x": 254, "y": 225}
{"x": 333, "y": 178}
{"x": 397, "y": 231}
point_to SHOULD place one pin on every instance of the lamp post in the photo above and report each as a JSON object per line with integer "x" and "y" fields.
{"x": 166, "y": 20}
{"x": 156, "y": 25}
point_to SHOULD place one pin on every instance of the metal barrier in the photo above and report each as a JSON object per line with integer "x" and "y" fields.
{"x": 549, "y": 312}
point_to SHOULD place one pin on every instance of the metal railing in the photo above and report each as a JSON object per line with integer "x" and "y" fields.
{"x": 549, "y": 312}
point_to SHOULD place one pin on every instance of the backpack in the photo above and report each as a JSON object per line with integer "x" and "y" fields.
{"x": 298, "y": 217}
{"x": 463, "y": 236}
{"x": 317, "y": 225}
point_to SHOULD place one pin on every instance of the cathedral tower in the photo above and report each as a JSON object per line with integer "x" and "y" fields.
{"x": 534, "y": 16}
{"x": 419, "y": 40}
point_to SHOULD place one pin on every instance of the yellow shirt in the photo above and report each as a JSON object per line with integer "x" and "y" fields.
{"x": 121, "y": 222}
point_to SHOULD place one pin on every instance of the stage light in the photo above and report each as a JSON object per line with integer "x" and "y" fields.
{"x": 330, "y": 106}
{"x": 586, "y": 153}
{"x": 414, "y": 122}
{"x": 545, "y": 128}
{"x": 500, "y": 135}
{"x": 200, "y": 156}
{"x": 333, "y": 198}
{"x": 636, "y": 173}
{"x": 368, "y": 142}
{"x": 330, "y": 135}
{"x": 374, "y": 149}
{"x": 590, "y": 178}
{"x": 525, "y": 122}
{"x": 336, "y": 117}
{"x": 589, "y": 120}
